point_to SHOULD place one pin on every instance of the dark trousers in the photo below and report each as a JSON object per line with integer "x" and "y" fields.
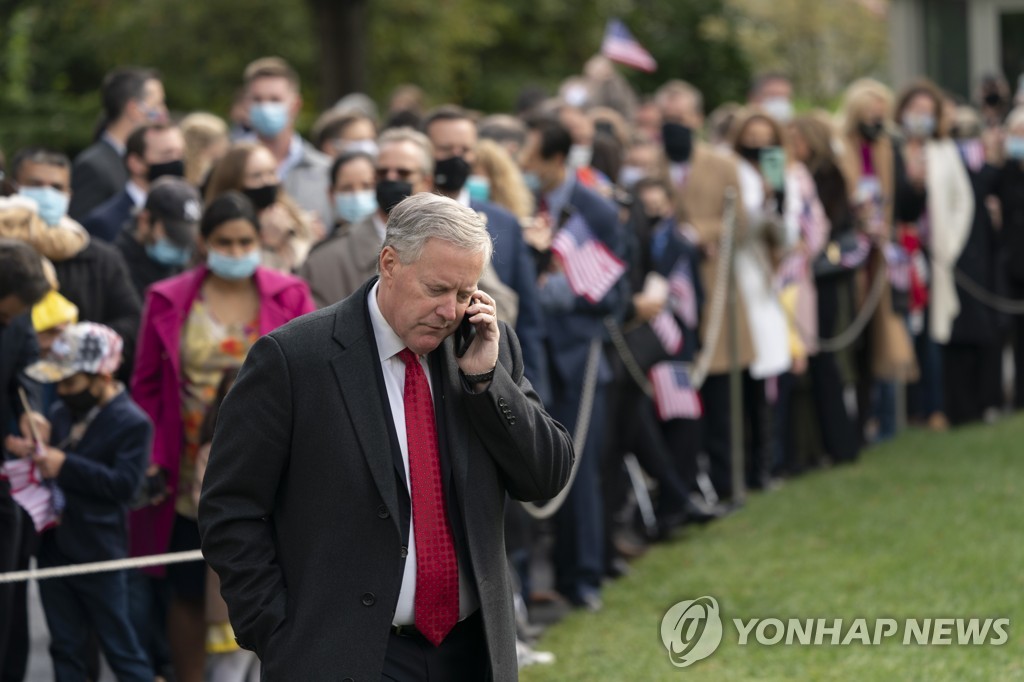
{"x": 715, "y": 434}
{"x": 77, "y": 605}
{"x": 17, "y": 537}
{"x": 579, "y": 524}
{"x": 759, "y": 430}
{"x": 148, "y": 601}
{"x": 1017, "y": 293}
{"x": 462, "y": 655}
{"x": 838, "y": 428}
{"x": 968, "y": 377}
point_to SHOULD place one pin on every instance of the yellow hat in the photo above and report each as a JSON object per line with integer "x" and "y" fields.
{"x": 53, "y": 310}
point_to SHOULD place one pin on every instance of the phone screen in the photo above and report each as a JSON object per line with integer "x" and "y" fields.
{"x": 773, "y": 166}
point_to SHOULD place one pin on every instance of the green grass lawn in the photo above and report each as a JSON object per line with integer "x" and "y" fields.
{"x": 927, "y": 526}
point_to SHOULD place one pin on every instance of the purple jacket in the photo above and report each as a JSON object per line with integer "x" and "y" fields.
{"x": 156, "y": 382}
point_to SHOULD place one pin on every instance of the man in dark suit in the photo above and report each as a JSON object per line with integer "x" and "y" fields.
{"x": 454, "y": 137}
{"x": 573, "y": 322}
{"x": 154, "y": 150}
{"x": 330, "y": 567}
{"x": 131, "y": 97}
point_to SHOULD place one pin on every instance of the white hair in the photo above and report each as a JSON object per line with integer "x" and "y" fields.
{"x": 417, "y": 139}
{"x": 425, "y": 216}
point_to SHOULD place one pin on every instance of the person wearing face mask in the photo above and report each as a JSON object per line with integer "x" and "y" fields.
{"x": 773, "y": 94}
{"x": 453, "y": 135}
{"x": 94, "y": 446}
{"x": 934, "y": 225}
{"x": 153, "y": 151}
{"x": 353, "y": 188}
{"x": 131, "y": 97}
{"x": 92, "y": 273}
{"x": 197, "y": 325}
{"x": 1010, "y": 191}
{"x": 699, "y": 177}
{"x": 342, "y": 131}
{"x": 287, "y": 232}
{"x": 272, "y": 94}
{"x": 163, "y": 237}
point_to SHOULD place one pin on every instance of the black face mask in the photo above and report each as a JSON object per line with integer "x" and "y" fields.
{"x": 870, "y": 131}
{"x": 79, "y": 404}
{"x": 751, "y": 154}
{"x": 262, "y": 197}
{"x": 391, "y": 192}
{"x": 678, "y": 142}
{"x": 993, "y": 99}
{"x": 172, "y": 168}
{"x": 450, "y": 174}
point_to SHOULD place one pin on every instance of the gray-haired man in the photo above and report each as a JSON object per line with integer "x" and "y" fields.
{"x": 354, "y": 498}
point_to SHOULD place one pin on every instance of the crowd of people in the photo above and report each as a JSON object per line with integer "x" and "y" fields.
{"x": 644, "y": 249}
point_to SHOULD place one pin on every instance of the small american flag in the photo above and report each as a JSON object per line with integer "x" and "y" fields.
{"x": 793, "y": 269}
{"x": 590, "y": 266}
{"x": 973, "y": 152}
{"x": 620, "y": 46}
{"x": 681, "y": 294}
{"x": 853, "y": 259}
{"x": 30, "y": 492}
{"x": 668, "y": 332}
{"x": 674, "y": 395}
{"x": 898, "y": 260}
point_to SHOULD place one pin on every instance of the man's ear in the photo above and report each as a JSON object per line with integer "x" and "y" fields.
{"x": 387, "y": 263}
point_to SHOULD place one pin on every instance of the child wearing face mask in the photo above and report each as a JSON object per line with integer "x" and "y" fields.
{"x": 95, "y": 446}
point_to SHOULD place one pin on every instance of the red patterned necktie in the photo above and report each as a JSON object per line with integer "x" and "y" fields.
{"x": 437, "y": 570}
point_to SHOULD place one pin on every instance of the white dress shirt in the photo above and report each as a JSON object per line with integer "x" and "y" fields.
{"x": 389, "y": 345}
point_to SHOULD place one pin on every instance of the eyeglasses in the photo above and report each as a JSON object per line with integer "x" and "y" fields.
{"x": 402, "y": 173}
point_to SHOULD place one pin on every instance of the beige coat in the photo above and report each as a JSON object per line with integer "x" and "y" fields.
{"x": 701, "y": 204}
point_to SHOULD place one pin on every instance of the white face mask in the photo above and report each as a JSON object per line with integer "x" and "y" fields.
{"x": 779, "y": 108}
{"x": 580, "y": 156}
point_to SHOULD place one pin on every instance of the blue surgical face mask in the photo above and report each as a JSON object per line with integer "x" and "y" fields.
{"x": 919, "y": 125}
{"x": 166, "y": 253}
{"x": 479, "y": 188}
{"x": 268, "y": 118}
{"x": 1015, "y": 147}
{"x": 53, "y": 204}
{"x": 354, "y": 206}
{"x": 532, "y": 181}
{"x": 230, "y": 267}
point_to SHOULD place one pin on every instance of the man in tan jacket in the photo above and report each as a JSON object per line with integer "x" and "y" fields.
{"x": 699, "y": 177}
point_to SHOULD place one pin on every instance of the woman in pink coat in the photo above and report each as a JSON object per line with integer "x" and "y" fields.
{"x": 195, "y": 327}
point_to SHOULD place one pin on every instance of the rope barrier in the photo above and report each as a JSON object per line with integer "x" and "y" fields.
{"x": 1006, "y": 306}
{"x": 548, "y": 509}
{"x": 101, "y": 566}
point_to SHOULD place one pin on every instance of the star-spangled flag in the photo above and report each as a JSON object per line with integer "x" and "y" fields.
{"x": 668, "y": 332}
{"x": 31, "y": 493}
{"x": 853, "y": 259}
{"x": 792, "y": 270}
{"x": 973, "y": 153}
{"x": 898, "y": 260}
{"x": 590, "y": 266}
{"x": 674, "y": 395}
{"x": 620, "y": 46}
{"x": 681, "y": 293}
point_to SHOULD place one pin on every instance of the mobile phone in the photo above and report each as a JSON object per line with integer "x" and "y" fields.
{"x": 464, "y": 336}
{"x": 773, "y": 166}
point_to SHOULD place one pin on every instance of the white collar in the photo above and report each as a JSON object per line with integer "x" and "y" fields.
{"x": 137, "y": 194}
{"x": 389, "y": 344}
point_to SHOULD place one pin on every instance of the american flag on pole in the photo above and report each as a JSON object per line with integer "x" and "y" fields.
{"x": 590, "y": 266}
{"x": 668, "y": 332}
{"x": 674, "y": 395}
{"x": 620, "y": 46}
{"x": 681, "y": 293}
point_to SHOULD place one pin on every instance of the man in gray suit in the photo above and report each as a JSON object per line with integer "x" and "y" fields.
{"x": 354, "y": 498}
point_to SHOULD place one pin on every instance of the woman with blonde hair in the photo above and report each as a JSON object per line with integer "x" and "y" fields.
{"x": 206, "y": 141}
{"x": 497, "y": 178}
{"x": 874, "y": 168}
{"x": 286, "y": 231}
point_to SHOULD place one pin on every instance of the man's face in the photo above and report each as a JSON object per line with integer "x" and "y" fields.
{"x": 152, "y": 106}
{"x": 32, "y": 174}
{"x": 453, "y": 138}
{"x": 424, "y": 300}
{"x": 275, "y": 89}
{"x": 550, "y": 171}
{"x": 403, "y": 161}
{"x": 165, "y": 145}
{"x": 681, "y": 108}
{"x": 11, "y": 307}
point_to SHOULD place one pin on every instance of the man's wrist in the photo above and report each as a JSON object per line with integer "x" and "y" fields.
{"x": 473, "y": 379}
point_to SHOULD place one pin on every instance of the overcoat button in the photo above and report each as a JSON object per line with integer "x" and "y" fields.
{"x": 369, "y": 599}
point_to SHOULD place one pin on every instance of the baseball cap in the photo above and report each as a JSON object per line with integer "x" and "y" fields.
{"x": 176, "y": 204}
{"x": 85, "y": 347}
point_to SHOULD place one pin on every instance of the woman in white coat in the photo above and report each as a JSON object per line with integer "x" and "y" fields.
{"x": 934, "y": 225}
